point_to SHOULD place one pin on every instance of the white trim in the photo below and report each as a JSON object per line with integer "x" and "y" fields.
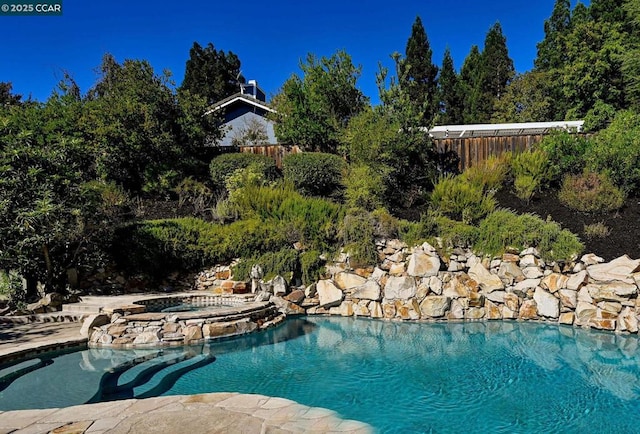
{"x": 512, "y": 129}
{"x": 240, "y": 98}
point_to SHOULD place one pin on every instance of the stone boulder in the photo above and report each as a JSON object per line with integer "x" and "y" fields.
{"x": 370, "y": 290}
{"x": 423, "y": 265}
{"x": 95, "y": 320}
{"x": 280, "y": 286}
{"x": 614, "y": 291}
{"x": 348, "y": 281}
{"x": 150, "y": 337}
{"x": 577, "y": 280}
{"x": 328, "y": 293}
{"x": 510, "y": 272}
{"x": 548, "y": 305}
{"x": 435, "y": 306}
{"x": 620, "y": 269}
{"x": 400, "y": 288}
{"x": 488, "y": 282}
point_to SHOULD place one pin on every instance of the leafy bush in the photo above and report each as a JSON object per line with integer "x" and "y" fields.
{"x": 454, "y": 233}
{"x": 413, "y": 233}
{"x": 489, "y": 174}
{"x": 364, "y": 187}
{"x": 284, "y": 262}
{"x": 616, "y": 151}
{"x": 158, "y": 246}
{"x": 590, "y": 192}
{"x": 596, "y": 230}
{"x": 568, "y": 151}
{"x": 530, "y": 171}
{"x": 311, "y": 221}
{"x": 314, "y": 173}
{"x": 503, "y": 229}
{"x": 222, "y": 166}
{"x": 358, "y": 232}
{"x": 461, "y": 200}
{"x": 385, "y": 225}
{"x": 194, "y": 193}
{"x": 525, "y": 186}
{"x": 311, "y": 266}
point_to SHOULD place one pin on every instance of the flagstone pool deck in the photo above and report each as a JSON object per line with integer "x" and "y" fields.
{"x": 189, "y": 414}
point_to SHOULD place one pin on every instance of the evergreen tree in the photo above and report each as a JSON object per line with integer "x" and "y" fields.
{"x": 551, "y": 51}
{"x": 448, "y": 90}
{"x": 470, "y": 87}
{"x": 418, "y": 74}
{"x": 211, "y": 73}
{"x": 498, "y": 66}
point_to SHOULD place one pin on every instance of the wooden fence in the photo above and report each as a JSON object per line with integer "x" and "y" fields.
{"x": 277, "y": 152}
{"x": 473, "y": 150}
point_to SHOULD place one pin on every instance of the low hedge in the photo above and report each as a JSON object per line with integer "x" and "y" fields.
{"x": 222, "y": 166}
{"x": 314, "y": 173}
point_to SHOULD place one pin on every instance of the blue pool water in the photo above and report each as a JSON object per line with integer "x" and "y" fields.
{"x": 482, "y": 377}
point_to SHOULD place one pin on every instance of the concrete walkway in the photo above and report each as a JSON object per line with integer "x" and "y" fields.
{"x": 194, "y": 414}
{"x": 28, "y": 339}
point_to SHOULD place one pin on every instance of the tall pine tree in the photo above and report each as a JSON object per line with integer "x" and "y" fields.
{"x": 418, "y": 74}
{"x": 449, "y": 93}
{"x": 498, "y": 67}
{"x": 211, "y": 73}
{"x": 551, "y": 50}
{"x": 470, "y": 85}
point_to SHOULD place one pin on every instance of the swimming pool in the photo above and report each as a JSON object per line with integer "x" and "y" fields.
{"x": 398, "y": 377}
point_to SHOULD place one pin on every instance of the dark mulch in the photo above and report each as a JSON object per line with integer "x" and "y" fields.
{"x": 624, "y": 237}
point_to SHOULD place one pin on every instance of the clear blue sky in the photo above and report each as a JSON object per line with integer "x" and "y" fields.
{"x": 270, "y": 37}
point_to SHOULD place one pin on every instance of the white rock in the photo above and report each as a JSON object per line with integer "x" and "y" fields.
{"x": 92, "y": 321}
{"x": 529, "y": 261}
{"x": 488, "y": 282}
{"x": 532, "y": 272}
{"x": 530, "y": 251}
{"x": 627, "y": 320}
{"x": 585, "y": 312}
{"x": 423, "y": 265}
{"x": 400, "y": 288}
{"x": 328, "y": 293}
{"x": 147, "y": 338}
{"x": 435, "y": 285}
{"x": 377, "y": 274}
{"x": 428, "y": 248}
{"x": 310, "y": 291}
{"x": 376, "y": 309}
{"x": 496, "y": 296}
{"x": 614, "y": 291}
{"x": 576, "y": 281}
{"x": 583, "y": 295}
{"x": 548, "y": 305}
{"x": 591, "y": 259}
{"x": 370, "y": 290}
{"x": 620, "y": 269}
{"x": 279, "y": 286}
{"x": 347, "y": 281}
{"x": 522, "y": 288}
{"x": 435, "y": 306}
{"x": 456, "y": 310}
{"x": 509, "y": 272}
{"x": 568, "y": 298}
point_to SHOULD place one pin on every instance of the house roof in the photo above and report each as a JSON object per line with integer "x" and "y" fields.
{"x": 512, "y": 129}
{"x": 247, "y": 99}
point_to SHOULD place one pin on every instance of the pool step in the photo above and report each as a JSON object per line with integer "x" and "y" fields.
{"x": 12, "y": 373}
{"x": 163, "y": 380}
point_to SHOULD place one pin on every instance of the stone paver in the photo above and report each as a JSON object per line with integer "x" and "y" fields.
{"x": 192, "y": 414}
{"x": 20, "y": 340}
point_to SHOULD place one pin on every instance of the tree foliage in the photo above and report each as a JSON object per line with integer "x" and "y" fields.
{"x": 418, "y": 74}
{"x": 450, "y": 110}
{"x": 212, "y": 74}
{"x": 313, "y": 110}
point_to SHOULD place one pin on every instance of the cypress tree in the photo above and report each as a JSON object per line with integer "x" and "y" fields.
{"x": 448, "y": 90}
{"x": 470, "y": 87}
{"x": 418, "y": 74}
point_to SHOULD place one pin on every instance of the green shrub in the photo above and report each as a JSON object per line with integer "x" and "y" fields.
{"x": 525, "y": 186}
{"x": 503, "y": 229}
{"x": 530, "y": 172}
{"x": 616, "y": 151}
{"x": 414, "y": 233}
{"x": 311, "y": 266}
{"x": 567, "y": 151}
{"x": 283, "y": 262}
{"x": 489, "y": 174}
{"x": 454, "y": 233}
{"x": 461, "y": 200}
{"x": 314, "y": 173}
{"x": 157, "y": 247}
{"x": 222, "y": 166}
{"x": 194, "y": 193}
{"x": 596, "y": 231}
{"x": 590, "y": 192}
{"x": 358, "y": 232}
{"x": 364, "y": 187}
{"x": 385, "y": 225}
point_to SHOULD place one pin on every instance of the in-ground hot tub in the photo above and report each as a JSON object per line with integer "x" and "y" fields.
{"x": 163, "y": 321}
